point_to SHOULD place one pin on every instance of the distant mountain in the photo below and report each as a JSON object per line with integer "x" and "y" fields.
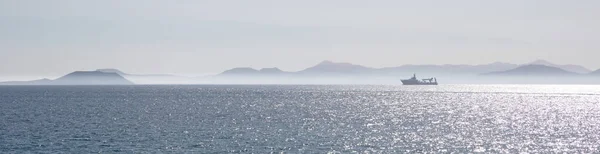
{"x": 240, "y": 71}
{"x": 449, "y": 69}
{"x": 34, "y": 82}
{"x": 251, "y": 71}
{"x": 492, "y": 67}
{"x": 79, "y": 78}
{"x": 327, "y": 72}
{"x": 341, "y": 72}
{"x": 533, "y": 70}
{"x": 153, "y": 78}
{"x": 568, "y": 67}
{"x": 274, "y": 70}
{"x": 596, "y": 72}
{"x": 328, "y": 67}
{"x": 112, "y": 70}
{"x": 323, "y": 68}
{"x": 92, "y": 78}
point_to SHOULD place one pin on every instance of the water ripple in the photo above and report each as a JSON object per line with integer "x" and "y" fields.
{"x": 300, "y": 119}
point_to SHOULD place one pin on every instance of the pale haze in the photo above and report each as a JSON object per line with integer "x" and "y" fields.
{"x": 193, "y": 37}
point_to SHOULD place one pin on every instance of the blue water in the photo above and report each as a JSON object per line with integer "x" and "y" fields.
{"x": 300, "y": 119}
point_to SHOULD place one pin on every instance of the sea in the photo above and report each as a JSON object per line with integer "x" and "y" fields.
{"x": 300, "y": 119}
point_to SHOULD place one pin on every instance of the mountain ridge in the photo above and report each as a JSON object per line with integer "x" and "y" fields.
{"x": 79, "y": 78}
{"x": 114, "y": 70}
{"x": 596, "y": 72}
{"x": 329, "y": 67}
{"x": 567, "y": 67}
{"x": 533, "y": 70}
{"x": 329, "y": 71}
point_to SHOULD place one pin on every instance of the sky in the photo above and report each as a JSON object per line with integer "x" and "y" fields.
{"x": 193, "y": 37}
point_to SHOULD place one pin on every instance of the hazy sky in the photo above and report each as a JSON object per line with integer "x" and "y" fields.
{"x": 54, "y": 37}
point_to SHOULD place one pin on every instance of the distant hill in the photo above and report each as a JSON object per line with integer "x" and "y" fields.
{"x": 533, "y": 70}
{"x": 449, "y": 69}
{"x": 112, "y": 70}
{"x": 274, "y": 70}
{"x": 251, "y": 71}
{"x": 329, "y": 67}
{"x": 34, "y": 82}
{"x": 568, "y": 67}
{"x": 240, "y": 71}
{"x": 92, "y": 78}
{"x": 476, "y": 69}
{"x": 153, "y": 78}
{"x": 596, "y": 72}
{"x": 79, "y": 78}
{"x": 334, "y": 72}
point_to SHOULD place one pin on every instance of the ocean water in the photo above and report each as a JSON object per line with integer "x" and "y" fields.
{"x": 300, "y": 119}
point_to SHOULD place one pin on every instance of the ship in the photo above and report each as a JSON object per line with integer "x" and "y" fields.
{"x": 415, "y": 81}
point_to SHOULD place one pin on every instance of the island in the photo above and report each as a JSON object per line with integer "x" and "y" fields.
{"x": 79, "y": 78}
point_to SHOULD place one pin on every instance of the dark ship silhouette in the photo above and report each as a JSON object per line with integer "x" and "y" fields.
{"x": 415, "y": 81}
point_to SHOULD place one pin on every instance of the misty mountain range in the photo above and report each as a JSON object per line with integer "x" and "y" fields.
{"x": 332, "y": 68}
{"x": 539, "y": 71}
{"x": 328, "y": 72}
{"x": 79, "y": 78}
{"x": 534, "y": 70}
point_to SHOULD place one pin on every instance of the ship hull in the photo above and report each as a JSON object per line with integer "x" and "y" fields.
{"x": 412, "y": 82}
